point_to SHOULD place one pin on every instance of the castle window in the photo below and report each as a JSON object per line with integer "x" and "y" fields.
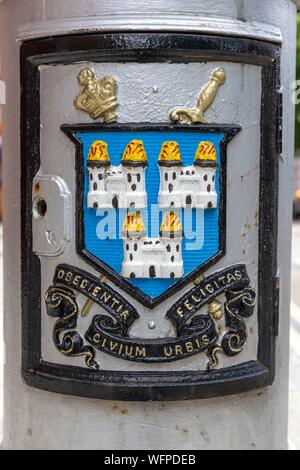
{"x": 131, "y": 256}
{"x": 95, "y": 186}
{"x": 115, "y": 202}
{"x": 138, "y": 177}
{"x": 166, "y": 176}
{"x": 135, "y": 247}
{"x": 133, "y": 187}
{"x": 174, "y": 176}
{"x": 152, "y": 272}
{"x": 95, "y": 205}
{"x": 170, "y": 188}
{"x": 188, "y": 200}
{"x": 172, "y": 259}
{"x": 209, "y": 188}
{"x": 187, "y": 172}
{"x": 213, "y": 178}
{"x": 132, "y": 275}
{"x": 129, "y": 178}
{"x": 127, "y": 247}
{"x": 168, "y": 248}
{"x": 177, "y": 248}
{"x": 100, "y": 177}
{"x": 172, "y": 275}
{"x": 209, "y": 205}
{"x": 205, "y": 178}
{"x": 91, "y": 176}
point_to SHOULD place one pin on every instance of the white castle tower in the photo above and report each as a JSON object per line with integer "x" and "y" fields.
{"x": 146, "y": 257}
{"x": 120, "y": 186}
{"x": 191, "y": 186}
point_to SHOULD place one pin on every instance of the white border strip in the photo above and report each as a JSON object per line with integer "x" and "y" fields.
{"x": 155, "y": 22}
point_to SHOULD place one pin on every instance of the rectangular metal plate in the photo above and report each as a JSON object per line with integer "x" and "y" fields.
{"x": 142, "y": 316}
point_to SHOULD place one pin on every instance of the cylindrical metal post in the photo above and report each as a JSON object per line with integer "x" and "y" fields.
{"x": 253, "y": 419}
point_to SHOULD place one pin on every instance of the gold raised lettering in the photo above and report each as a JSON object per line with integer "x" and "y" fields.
{"x": 178, "y": 350}
{"x": 140, "y": 352}
{"x": 114, "y": 302}
{"x": 124, "y": 314}
{"x": 96, "y": 338}
{"x": 69, "y": 276}
{"x": 189, "y": 347}
{"x": 210, "y": 289}
{"x": 84, "y": 284}
{"x": 61, "y": 274}
{"x": 113, "y": 346}
{"x": 76, "y": 280}
{"x": 105, "y": 297}
{"x": 168, "y": 351}
{"x": 96, "y": 291}
{"x": 129, "y": 350}
{"x": 188, "y": 305}
{"x": 179, "y": 312}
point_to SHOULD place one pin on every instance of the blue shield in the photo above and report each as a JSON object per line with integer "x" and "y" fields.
{"x": 151, "y": 203}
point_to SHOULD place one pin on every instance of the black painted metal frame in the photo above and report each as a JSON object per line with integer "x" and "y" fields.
{"x": 229, "y": 132}
{"x": 154, "y": 47}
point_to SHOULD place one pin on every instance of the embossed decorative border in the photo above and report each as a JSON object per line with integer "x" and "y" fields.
{"x": 152, "y": 47}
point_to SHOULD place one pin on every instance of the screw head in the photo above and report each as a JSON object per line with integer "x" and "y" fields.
{"x": 151, "y": 325}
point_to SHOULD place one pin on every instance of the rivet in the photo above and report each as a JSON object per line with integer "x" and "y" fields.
{"x": 151, "y": 325}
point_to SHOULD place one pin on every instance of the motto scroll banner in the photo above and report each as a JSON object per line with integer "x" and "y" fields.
{"x": 196, "y": 333}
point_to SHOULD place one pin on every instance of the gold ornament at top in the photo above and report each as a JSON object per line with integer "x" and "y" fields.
{"x": 170, "y": 152}
{"x": 205, "y": 100}
{"x": 98, "y": 97}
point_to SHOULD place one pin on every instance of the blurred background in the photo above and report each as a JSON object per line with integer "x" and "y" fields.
{"x": 294, "y": 402}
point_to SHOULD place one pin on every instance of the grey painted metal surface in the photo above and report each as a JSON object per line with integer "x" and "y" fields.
{"x": 244, "y": 421}
{"x": 153, "y": 22}
{"x": 146, "y": 93}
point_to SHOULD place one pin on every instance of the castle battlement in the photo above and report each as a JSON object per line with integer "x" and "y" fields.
{"x": 120, "y": 186}
{"x": 124, "y": 186}
{"x": 191, "y": 186}
{"x": 146, "y": 257}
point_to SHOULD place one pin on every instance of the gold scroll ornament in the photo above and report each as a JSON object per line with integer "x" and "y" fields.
{"x": 98, "y": 97}
{"x": 205, "y": 100}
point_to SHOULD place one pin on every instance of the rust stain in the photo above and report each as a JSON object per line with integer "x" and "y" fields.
{"x": 205, "y": 436}
{"x": 122, "y": 411}
{"x": 162, "y": 406}
{"x": 37, "y": 187}
{"x": 182, "y": 430}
